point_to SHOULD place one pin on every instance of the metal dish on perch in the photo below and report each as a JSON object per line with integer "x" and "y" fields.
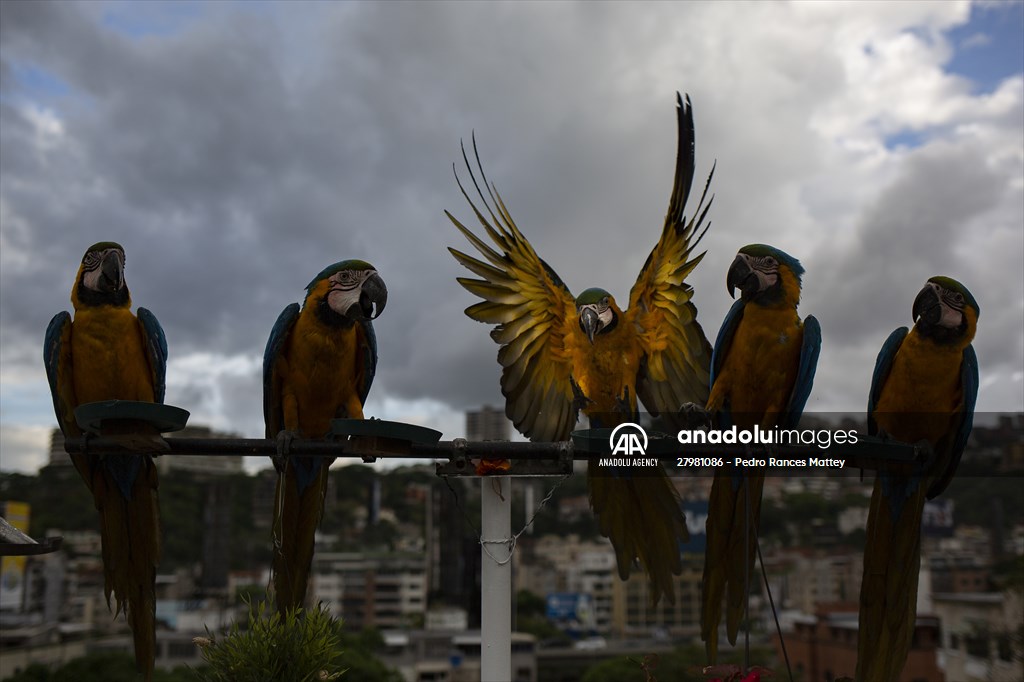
{"x": 371, "y": 438}
{"x": 379, "y": 428}
{"x": 164, "y": 418}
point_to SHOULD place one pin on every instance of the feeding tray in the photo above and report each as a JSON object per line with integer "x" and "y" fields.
{"x": 884, "y": 453}
{"x": 373, "y": 437}
{"x": 598, "y": 442}
{"x": 14, "y": 542}
{"x": 92, "y": 417}
{"x": 47, "y": 546}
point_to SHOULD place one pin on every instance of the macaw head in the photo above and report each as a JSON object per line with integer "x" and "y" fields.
{"x": 946, "y": 311}
{"x": 347, "y": 291}
{"x": 597, "y": 312}
{"x": 765, "y": 275}
{"x": 100, "y": 279}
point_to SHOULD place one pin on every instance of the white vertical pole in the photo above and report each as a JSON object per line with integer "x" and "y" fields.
{"x": 496, "y": 579}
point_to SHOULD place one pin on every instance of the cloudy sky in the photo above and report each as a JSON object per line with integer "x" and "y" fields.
{"x": 237, "y": 149}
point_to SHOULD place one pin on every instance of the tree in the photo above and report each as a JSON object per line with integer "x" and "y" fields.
{"x": 301, "y": 647}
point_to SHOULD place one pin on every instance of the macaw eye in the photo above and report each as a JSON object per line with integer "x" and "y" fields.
{"x": 604, "y": 301}
{"x": 958, "y": 298}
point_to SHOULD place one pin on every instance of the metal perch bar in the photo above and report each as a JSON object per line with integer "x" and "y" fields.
{"x": 868, "y": 453}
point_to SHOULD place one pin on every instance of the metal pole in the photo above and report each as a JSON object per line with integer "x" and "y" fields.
{"x": 496, "y": 579}
{"x": 746, "y": 576}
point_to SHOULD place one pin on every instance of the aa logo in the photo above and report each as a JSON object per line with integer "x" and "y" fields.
{"x": 628, "y": 439}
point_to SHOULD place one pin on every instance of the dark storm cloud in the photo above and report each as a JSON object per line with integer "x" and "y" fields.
{"x": 230, "y": 188}
{"x": 240, "y": 151}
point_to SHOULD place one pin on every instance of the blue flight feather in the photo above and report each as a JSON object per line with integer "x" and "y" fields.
{"x": 156, "y": 351}
{"x": 370, "y": 361}
{"x": 969, "y": 387}
{"x": 52, "y": 349}
{"x": 723, "y": 342}
{"x": 275, "y": 345}
{"x": 809, "y": 350}
{"x": 896, "y": 488}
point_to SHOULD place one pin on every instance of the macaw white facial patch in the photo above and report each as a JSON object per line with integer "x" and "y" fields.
{"x": 346, "y": 287}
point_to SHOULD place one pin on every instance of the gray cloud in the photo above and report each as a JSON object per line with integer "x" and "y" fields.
{"x": 239, "y": 153}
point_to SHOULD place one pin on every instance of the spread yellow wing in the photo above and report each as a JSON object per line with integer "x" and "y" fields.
{"x": 677, "y": 355}
{"x": 534, "y": 313}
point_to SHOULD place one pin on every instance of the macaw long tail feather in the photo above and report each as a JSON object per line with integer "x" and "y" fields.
{"x": 642, "y": 516}
{"x": 297, "y": 516}
{"x": 888, "y": 593}
{"x": 725, "y": 571}
{"x": 130, "y": 536}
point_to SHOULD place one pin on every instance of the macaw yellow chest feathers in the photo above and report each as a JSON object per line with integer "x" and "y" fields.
{"x": 321, "y": 371}
{"x": 117, "y": 368}
{"x": 759, "y": 372}
{"x": 922, "y": 396}
{"x": 606, "y": 371}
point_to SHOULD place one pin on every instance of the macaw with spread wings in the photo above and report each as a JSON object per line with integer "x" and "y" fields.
{"x": 562, "y": 354}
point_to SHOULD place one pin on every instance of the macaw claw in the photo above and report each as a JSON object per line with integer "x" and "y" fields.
{"x": 624, "y": 406}
{"x": 284, "y": 445}
{"x": 579, "y": 400}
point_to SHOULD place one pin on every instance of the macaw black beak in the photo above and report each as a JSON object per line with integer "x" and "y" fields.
{"x": 111, "y": 273}
{"x": 373, "y": 294}
{"x": 741, "y": 276}
{"x": 589, "y": 321}
{"x": 927, "y": 306}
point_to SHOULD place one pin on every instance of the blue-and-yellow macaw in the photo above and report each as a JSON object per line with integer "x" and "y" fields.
{"x": 318, "y": 366}
{"x": 107, "y": 353}
{"x": 923, "y": 388}
{"x": 562, "y": 354}
{"x": 762, "y": 369}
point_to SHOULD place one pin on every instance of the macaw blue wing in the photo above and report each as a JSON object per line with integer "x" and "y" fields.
{"x": 57, "y": 359}
{"x": 724, "y": 339}
{"x": 883, "y": 365}
{"x": 809, "y": 350}
{"x": 370, "y": 361}
{"x": 969, "y": 386}
{"x": 723, "y": 342}
{"x": 156, "y": 351}
{"x": 897, "y": 489}
{"x": 272, "y": 411}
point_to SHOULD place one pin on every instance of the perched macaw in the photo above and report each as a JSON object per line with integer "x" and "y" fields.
{"x": 924, "y": 388}
{"x": 762, "y": 370}
{"x": 318, "y": 366}
{"x": 562, "y": 354}
{"x": 107, "y": 353}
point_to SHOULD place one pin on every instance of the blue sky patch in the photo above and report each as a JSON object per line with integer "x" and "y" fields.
{"x": 38, "y": 83}
{"x": 141, "y": 20}
{"x": 990, "y": 47}
{"x": 910, "y": 139}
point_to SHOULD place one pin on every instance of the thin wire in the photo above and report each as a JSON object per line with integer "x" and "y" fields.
{"x": 509, "y": 542}
{"x": 775, "y": 614}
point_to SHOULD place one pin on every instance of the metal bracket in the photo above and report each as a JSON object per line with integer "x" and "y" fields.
{"x": 460, "y": 463}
